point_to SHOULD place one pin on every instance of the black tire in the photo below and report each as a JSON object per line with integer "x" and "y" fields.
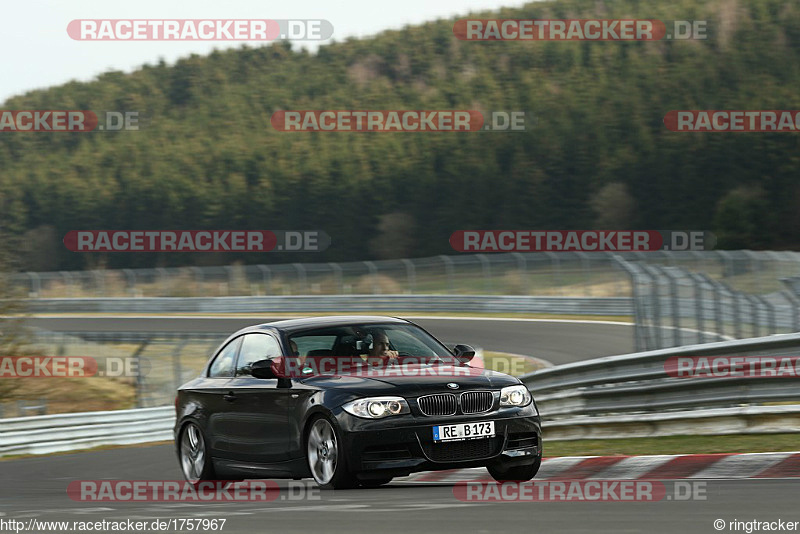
{"x": 519, "y": 473}
{"x": 326, "y": 459}
{"x": 375, "y": 482}
{"x": 195, "y": 462}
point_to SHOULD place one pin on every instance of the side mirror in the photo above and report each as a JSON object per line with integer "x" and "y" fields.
{"x": 264, "y": 369}
{"x": 464, "y": 353}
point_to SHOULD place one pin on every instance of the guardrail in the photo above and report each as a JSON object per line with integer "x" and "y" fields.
{"x": 46, "y": 434}
{"x": 617, "y": 396}
{"x": 633, "y": 396}
{"x": 340, "y": 303}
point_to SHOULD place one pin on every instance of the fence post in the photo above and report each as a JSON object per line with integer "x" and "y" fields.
{"x": 176, "y": 362}
{"x": 737, "y": 315}
{"x": 36, "y": 284}
{"x": 757, "y": 274}
{"x": 373, "y": 271}
{"x": 301, "y": 277}
{"x": 698, "y": 282}
{"x": 139, "y": 379}
{"x": 676, "y": 315}
{"x": 162, "y": 277}
{"x": 266, "y": 277}
{"x": 586, "y": 277}
{"x": 794, "y": 303}
{"x": 523, "y": 271}
{"x": 337, "y": 277}
{"x": 448, "y": 269}
{"x": 771, "y": 326}
{"x": 411, "y": 274}
{"x": 640, "y": 342}
{"x": 726, "y": 261}
{"x": 487, "y": 272}
{"x": 130, "y": 275}
{"x": 754, "y": 304}
{"x": 199, "y": 278}
{"x": 720, "y": 324}
{"x": 655, "y": 304}
{"x": 99, "y": 282}
{"x": 556, "y": 267}
{"x": 68, "y": 282}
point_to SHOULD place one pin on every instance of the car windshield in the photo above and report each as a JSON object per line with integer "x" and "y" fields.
{"x": 359, "y": 345}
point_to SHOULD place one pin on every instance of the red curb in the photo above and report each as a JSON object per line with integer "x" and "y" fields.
{"x": 588, "y": 467}
{"x": 684, "y": 466}
{"x": 790, "y": 467}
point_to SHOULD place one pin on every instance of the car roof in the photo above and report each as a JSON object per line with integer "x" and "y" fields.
{"x": 294, "y": 325}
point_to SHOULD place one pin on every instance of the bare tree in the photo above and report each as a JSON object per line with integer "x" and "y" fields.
{"x": 614, "y": 207}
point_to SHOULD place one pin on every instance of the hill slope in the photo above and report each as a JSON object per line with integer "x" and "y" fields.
{"x": 599, "y": 156}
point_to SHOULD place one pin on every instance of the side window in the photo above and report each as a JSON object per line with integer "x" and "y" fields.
{"x": 256, "y": 347}
{"x": 408, "y": 344}
{"x": 222, "y": 366}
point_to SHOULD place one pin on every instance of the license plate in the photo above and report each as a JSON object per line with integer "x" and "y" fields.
{"x": 463, "y": 431}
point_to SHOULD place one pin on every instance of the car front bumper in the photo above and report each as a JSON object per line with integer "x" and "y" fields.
{"x": 398, "y": 446}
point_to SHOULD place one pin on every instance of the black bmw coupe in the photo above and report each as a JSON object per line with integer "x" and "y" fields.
{"x": 351, "y": 401}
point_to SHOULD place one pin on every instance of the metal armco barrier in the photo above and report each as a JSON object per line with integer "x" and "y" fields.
{"x": 68, "y": 432}
{"x": 633, "y": 396}
{"x": 340, "y": 303}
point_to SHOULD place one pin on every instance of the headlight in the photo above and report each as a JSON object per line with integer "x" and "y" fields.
{"x": 377, "y": 407}
{"x": 515, "y": 396}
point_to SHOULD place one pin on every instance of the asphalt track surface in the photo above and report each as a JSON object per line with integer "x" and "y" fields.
{"x": 555, "y": 341}
{"x": 36, "y": 488}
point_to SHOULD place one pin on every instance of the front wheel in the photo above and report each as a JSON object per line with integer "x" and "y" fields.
{"x": 195, "y": 462}
{"x": 520, "y": 473}
{"x": 326, "y": 458}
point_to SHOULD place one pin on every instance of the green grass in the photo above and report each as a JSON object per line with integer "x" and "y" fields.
{"x": 673, "y": 445}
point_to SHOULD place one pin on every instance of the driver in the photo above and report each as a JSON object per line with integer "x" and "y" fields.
{"x": 380, "y": 354}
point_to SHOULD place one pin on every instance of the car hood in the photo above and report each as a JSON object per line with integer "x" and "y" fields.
{"x": 415, "y": 379}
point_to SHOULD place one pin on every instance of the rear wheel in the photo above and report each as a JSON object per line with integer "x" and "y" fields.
{"x": 520, "y": 473}
{"x": 195, "y": 462}
{"x": 326, "y": 458}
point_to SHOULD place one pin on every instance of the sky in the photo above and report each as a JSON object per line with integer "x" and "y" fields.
{"x": 39, "y": 53}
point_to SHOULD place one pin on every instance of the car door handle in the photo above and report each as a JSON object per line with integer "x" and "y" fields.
{"x": 229, "y": 397}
